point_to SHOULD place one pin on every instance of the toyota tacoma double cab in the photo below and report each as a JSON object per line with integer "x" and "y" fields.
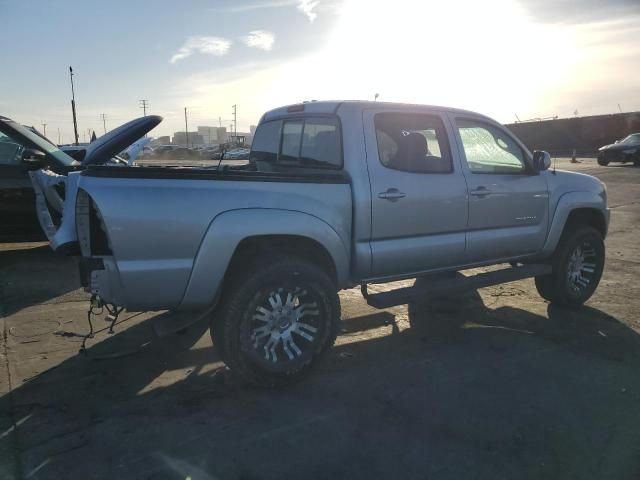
{"x": 334, "y": 195}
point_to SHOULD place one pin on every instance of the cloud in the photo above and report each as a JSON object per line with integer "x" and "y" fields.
{"x": 307, "y": 7}
{"x": 206, "y": 45}
{"x": 259, "y": 39}
{"x": 259, "y": 6}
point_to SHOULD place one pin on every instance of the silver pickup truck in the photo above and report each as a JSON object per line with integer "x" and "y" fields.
{"x": 335, "y": 195}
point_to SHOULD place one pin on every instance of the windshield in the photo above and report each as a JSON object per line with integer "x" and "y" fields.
{"x": 631, "y": 139}
{"x": 24, "y": 136}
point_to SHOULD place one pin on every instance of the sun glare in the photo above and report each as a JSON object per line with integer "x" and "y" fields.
{"x": 487, "y": 56}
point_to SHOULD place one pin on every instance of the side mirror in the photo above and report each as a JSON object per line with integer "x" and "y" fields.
{"x": 541, "y": 160}
{"x": 33, "y": 159}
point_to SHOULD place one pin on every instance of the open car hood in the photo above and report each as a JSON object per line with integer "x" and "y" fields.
{"x": 112, "y": 143}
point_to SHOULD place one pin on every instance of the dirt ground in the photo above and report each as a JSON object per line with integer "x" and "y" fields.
{"x": 520, "y": 391}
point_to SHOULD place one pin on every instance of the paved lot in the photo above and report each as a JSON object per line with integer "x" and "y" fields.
{"x": 520, "y": 391}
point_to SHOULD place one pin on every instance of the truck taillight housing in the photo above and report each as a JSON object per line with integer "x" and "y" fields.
{"x": 91, "y": 229}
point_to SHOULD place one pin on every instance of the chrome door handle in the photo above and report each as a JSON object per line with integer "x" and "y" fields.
{"x": 480, "y": 192}
{"x": 392, "y": 194}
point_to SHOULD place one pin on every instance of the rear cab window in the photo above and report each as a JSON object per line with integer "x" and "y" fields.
{"x": 309, "y": 142}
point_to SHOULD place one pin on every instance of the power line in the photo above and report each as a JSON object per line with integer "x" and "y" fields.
{"x": 144, "y": 103}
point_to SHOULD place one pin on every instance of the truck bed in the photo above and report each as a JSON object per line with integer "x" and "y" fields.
{"x": 157, "y": 220}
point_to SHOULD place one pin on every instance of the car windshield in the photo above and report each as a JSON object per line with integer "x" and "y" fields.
{"x": 19, "y": 133}
{"x": 631, "y": 139}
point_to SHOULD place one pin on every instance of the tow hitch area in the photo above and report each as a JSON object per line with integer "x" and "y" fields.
{"x": 113, "y": 312}
{"x": 446, "y": 283}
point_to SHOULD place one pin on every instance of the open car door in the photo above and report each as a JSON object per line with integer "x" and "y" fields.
{"x": 55, "y": 176}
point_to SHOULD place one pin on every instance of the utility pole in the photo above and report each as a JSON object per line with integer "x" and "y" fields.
{"x": 186, "y": 126}
{"x": 619, "y": 108}
{"x": 44, "y": 129}
{"x": 220, "y": 121}
{"x": 143, "y": 105}
{"x": 59, "y": 141}
{"x": 104, "y": 122}
{"x": 235, "y": 122}
{"x": 73, "y": 106}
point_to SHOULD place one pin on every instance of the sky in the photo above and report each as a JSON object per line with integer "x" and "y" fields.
{"x": 530, "y": 58}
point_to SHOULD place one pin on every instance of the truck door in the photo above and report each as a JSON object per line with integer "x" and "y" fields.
{"x": 418, "y": 193}
{"x": 508, "y": 199}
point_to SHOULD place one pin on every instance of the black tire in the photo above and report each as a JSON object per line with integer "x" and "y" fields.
{"x": 603, "y": 162}
{"x": 574, "y": 279}
{"x": 258, "y": 329}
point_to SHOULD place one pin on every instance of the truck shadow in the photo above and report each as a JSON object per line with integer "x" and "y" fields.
{"x": 509, "y": 394}
{"x": 23, "y": 282}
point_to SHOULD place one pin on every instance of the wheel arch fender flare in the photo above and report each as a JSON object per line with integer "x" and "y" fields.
{"x": 230, "y": 228}
{"x": 568, "y": 203}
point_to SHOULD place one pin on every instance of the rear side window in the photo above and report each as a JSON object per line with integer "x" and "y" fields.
{"x": 309, "y": 142}
{"x": 412, "y": 143}
{"x": 266, "y": 143}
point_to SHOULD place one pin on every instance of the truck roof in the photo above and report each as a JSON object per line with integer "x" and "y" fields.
{"x": 331, "y": 106}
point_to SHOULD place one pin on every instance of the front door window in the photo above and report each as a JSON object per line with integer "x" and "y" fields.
{"x": 489, "y": 150}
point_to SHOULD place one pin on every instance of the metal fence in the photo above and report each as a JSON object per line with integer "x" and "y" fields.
{"x": 584, "y": 134}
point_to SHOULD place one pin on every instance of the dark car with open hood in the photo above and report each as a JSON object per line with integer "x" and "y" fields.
{"x": 22, "y": 150}
{"x": 625, "y": 150}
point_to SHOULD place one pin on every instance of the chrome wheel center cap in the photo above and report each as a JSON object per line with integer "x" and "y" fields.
{"x": 279, "y": 325}
{"x": 581, "y": 267}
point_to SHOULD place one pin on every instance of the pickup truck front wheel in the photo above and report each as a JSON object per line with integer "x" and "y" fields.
{"x": 577, "y": 268}
{"x": 277, "y": 321}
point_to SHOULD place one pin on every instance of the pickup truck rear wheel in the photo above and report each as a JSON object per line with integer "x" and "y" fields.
{"x": 277, "y": 321}
{"x": 577, "y": 268}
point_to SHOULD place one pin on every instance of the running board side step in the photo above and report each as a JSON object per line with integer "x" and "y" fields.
{"x": 445, "y": 284}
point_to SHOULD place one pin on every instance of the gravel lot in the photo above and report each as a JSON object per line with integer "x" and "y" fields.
{"x": 520, "y": 391}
